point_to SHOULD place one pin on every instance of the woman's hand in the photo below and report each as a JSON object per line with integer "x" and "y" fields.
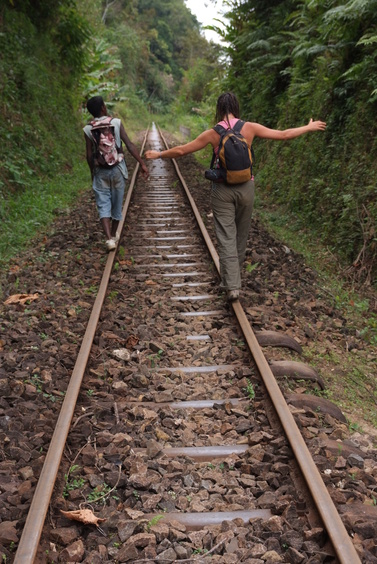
{"x": 152, "y": 154}
{"x": 316, "y": 125}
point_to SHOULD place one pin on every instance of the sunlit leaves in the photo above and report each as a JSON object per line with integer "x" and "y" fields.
{"x": 102, "y": 71}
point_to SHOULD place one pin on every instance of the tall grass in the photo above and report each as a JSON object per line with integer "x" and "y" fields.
{"x": 28, "y": 212}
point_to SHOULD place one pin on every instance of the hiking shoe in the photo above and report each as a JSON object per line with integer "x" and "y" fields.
{"x": 110, "y": 244}
{"x": 233, "y": 295}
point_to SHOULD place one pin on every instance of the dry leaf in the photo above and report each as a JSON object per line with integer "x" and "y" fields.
{"x": 132, "y": 341}
{"x": 21, "y": 298}
{"x": 85, "y": 516}
{"x": 14, "y": 269}
{"x": 110, "y": 335}
{"x": 151, "y": 283}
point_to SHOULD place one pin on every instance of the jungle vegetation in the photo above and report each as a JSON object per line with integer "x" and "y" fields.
{"x": 288, "y": 61}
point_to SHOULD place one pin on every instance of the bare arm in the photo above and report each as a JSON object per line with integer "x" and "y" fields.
{"x": 258, "y": 130}
{"x": 204, "y": 139}
{"x": 89, "y": 153}
{"x": 131, "y": 148}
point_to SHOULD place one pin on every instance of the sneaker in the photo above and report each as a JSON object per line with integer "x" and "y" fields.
{"x": 233, "y": 295}
{"x": 115, "y": 237}
{"x": 110, "y": 244}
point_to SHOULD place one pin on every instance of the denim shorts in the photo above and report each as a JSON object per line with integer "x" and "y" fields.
{"x": 109, "y": 185}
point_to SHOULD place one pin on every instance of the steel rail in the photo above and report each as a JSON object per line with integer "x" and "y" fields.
{"x": 29, "y": 542}
{"x": 340, "y": 539}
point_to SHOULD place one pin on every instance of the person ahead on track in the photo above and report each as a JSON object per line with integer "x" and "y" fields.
{"x": 109, "y": 180}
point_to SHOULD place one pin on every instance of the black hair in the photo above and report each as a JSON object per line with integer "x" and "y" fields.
{"x": 94, "y": 105}
{"x": 227, "y": 103}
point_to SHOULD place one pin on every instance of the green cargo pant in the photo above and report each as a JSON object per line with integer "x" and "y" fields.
{"x": 232, "y": 209}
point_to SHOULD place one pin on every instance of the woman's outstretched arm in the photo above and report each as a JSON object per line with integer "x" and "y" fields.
{"x": 200, "y": 142}
{"x": 259, "y": 130}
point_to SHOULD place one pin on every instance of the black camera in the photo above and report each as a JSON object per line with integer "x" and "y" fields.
{"x": 214, "y": 174}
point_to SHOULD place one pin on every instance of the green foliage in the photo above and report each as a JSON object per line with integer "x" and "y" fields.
{"x": 99, "y": 493}
{"x": 195, "y": 82}
{"x": 250, "y": 390}
{"x": 154, "y": 521}
{"x": 38, "y": 124}
{"x": 133, "y": 53}
{"x": 72, "y": 482}
{"x": 71, "y": 34}
{"x": 103, "y": 65}
{"x": 30, "y": 211}
{"x": 129, "y": 48}
{"x": 158, "y": 42}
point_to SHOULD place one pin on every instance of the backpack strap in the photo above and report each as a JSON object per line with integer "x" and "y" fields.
{"x": 238, "y": 126}
{"x": 219, "y": 129}
{"x": 107, "y": 121}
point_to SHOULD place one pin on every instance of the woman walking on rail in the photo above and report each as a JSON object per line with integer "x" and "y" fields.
{"x": 232, "y": 204}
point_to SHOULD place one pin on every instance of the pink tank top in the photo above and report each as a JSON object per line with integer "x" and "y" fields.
{"x": 232, "y": 123}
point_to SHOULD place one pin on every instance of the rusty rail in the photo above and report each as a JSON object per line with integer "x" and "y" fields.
{"x": 32, "y": 531}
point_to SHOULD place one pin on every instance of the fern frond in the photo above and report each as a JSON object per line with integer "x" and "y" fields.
{"x": 367, "y": 39}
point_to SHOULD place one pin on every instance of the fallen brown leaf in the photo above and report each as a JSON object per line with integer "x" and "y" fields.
{"x": 21, "y": 298}
{"x": 85, "y": 516}
{"x": 132, "y": 340}
{"x": 15, "y": 268}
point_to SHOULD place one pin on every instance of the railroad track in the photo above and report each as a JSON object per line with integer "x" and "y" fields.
{"x": 174, "y": 439}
